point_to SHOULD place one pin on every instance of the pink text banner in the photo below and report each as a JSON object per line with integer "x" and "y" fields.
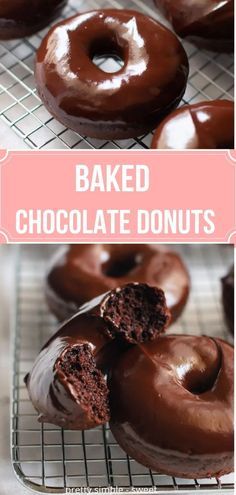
{"x": 134, "y": 196}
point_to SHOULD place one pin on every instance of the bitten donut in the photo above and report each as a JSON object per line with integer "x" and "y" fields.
{"x": 80, "y": 272}
{"x": 206, "y": 125}
{"x": 208, "y": 23}
{"x": 20, "y": 18}
{"x": 123, "y": 104}
{"x": 227, "y": 283}
{"x": 67, "y": 385}
{"x": 172, "y": 405}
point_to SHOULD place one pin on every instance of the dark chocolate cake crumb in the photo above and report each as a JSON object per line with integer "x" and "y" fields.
{"x": 80, "y": 369}
{"x": 137, "y": 313}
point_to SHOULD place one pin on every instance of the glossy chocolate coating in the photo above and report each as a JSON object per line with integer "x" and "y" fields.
{"x": 228, "y": 298}
{"x": 124, "y": 104}
{"x": 172, "y": 405}
{"x": 206, "y": 125}
{"x": 20, "y": 18}
{"x": 208, "y": 23}
{"x": 50, "y": 392}
{"x": 81, "y": 272}
{"x": 103, "y": 328}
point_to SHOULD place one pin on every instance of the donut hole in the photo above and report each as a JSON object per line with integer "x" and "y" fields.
{"x": 198, "y": 388}
{"x": 198, "y": 382}
{"x": 107, "y": 55}
{"x": 136, "y": 313}
{"x": 117, "y": 268}
{"x": 79, "y": 367}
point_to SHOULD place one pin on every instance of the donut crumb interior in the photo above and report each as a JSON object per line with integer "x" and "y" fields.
{"x": 136, "y": 312}
{"x": 79, "y": 367}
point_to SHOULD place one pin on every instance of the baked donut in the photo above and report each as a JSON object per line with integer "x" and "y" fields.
{"x": 209, "y": 23}
{"x": 206, "y": 125}
{"x": 172, "y": 405}
{"x": 80, "y": 272}
{"x": 120, "y": 105}
{"x": 20, "y": 18}
{"x": 228, "y": 298}
{"x": 67, "y": 385}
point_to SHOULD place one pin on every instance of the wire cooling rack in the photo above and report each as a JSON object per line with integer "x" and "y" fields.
{"x": 52, "y": 460}
{"x": 211, "y": 76}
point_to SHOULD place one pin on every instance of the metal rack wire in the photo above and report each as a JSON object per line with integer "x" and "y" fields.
{"x": 211, "y": 76}
{"x": 52, "y": 460}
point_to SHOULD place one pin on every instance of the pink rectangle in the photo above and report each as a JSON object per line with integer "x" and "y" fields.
{"x": 184, "y": 189}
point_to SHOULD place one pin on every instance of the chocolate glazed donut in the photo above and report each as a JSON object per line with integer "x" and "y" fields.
{"x": 20, "y": 18}
{"x": 227, "y": 284}
{"x": 206, "y": 125}
{"x": 172, "y": 405}
{"x": 80, "y": 272}
{"x": 120, "y": 105}
{"x": 67, "y": 383}
{"x": 208, "y": 23}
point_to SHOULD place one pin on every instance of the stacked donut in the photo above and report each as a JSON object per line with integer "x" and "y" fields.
{"x": 168, "y": 398}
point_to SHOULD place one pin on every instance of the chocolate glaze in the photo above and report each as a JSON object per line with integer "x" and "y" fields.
{"x": 206, "y": 125}
{"x": 51, "y": 392}
{"x": 228, "y": 298}
{"x": 81, "y": 272}
{"x": 111, "y": 106}
{"x": 172, "y": 405}
{"x": 86, "y": 346}
{"x": 208, "y": 23}
{"x": 19, "y": 18}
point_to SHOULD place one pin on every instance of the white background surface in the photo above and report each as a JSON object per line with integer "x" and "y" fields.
{"x": 10, "y": 139}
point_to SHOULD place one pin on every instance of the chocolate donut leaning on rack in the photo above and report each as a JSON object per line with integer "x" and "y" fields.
{"x": 67, "y": 383}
